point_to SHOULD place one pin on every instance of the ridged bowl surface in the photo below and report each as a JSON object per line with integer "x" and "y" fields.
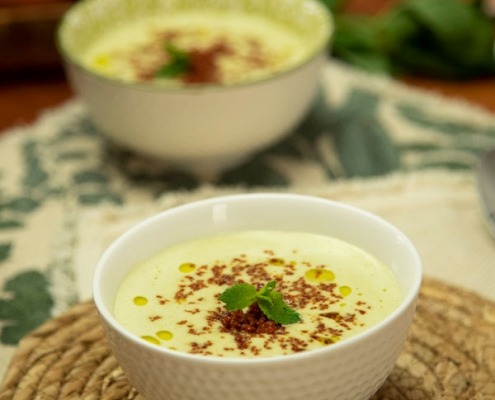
{"x": 352, "y": 369}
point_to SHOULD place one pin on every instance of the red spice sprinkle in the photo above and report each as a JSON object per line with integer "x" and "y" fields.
{"x": 161, "y": 300}
{"x": 200, "y": 348}
{"x": 197, "y": 285}
{"x": 297, "y": 344}
{"x": 251, "y": 329}
{"x": 251, "y": 321}
{"x": 203, "y": 64}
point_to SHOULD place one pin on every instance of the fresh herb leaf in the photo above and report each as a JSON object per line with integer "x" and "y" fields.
{"x": 239, "y": 296}
{"x": 452, "y": 40}
{"x": 267, "y": 289}
{"x": 334, "y": 5}
{"x": 270, "y": 302}
{"x": 357, "y": 40}
{"x": 449, "y": 39}
{"x": 178, "y": 62}
{"x": 277, "y": 309}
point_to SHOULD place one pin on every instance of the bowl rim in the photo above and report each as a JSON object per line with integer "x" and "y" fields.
{"x": 69, "y": 59}
{"x": 407, "y": 302}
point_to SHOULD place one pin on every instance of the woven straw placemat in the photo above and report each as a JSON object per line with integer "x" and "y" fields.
{"x": 450, "y": 354}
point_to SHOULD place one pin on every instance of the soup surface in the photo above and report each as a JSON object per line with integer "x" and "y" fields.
{"x": 195, "y": 48}
{"x": 338, "y": 290}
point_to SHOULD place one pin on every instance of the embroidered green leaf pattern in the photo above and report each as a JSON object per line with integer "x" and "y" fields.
{"x": 366, "y": 152}
{"x": 93, "y": 187}
{"x": 90, "y": 176}
{"x": 5, "y": 249}
{"x": 99, "y": 198}
{"x": 364, "y": 146}
{"x": 22, "y": 204}
{"x": 67, "y": 160}
{"x": 26, "y": 305}
{"x": 418, "y": 116}
{"x": 447, "y": 143}
{"x": 35, "y": 174}
{"x": 10, "y": 224}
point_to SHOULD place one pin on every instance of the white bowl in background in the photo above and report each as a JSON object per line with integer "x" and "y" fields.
{"x": 352, "y": 369}
{"x": 201, "y": 128}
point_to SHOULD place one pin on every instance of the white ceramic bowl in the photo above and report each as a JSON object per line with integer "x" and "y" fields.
{"x": 202, "y": 128}
{"x": 352, "y": 369}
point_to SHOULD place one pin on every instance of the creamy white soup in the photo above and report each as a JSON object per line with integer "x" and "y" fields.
{"x": 339, "y": 290}
{"x": 195, "y": 48}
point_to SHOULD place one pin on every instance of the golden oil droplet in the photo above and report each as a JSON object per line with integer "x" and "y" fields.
{"x": 187, "y": 267}
{"x": 345, "y": 290}
{"x": 279, "y": 262}
{"x": 320, "y": 275}
{"x": 165, "y": 335}
{"x": 328, "y": 340}
{"x": 101, "y": 61}
{"x": 151, "y": 339}
{"x": 325, "y": 341}
{"x": 140, "y": 301}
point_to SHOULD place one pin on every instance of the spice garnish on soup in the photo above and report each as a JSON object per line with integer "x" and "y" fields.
{"x": 256, "y": 293}
{"x": 191, "y": 47}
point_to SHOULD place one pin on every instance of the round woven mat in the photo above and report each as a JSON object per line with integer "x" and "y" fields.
{"x": 450, "y": 354}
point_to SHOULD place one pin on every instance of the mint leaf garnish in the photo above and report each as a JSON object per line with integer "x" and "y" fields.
{"x": 267, "y": 289}
{"x": 178, "y": 62}
{"x": 239, "y": 296}
{"x": 278, "y": 310}
{"x": 270, "y": 302}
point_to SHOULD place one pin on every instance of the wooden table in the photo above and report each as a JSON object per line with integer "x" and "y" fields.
{"x": 25, "y": 96}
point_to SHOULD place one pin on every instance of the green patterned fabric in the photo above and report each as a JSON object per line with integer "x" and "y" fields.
{"x": 361, "y": 126}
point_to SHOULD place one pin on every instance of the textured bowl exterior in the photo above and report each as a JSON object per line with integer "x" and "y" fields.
{"x": 353, "y": 373}
{"x": 352, "y": 369}
{"x": 204, "y": 128}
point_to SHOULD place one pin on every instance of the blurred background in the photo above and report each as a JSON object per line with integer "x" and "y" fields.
{"x": 31, "y": 75}
{"x": 404, "y": 39}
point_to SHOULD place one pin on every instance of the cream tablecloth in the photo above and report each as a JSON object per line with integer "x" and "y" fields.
{"x": 407, "y": 155}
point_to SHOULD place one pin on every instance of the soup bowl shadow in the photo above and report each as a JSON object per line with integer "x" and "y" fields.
{"x": 352, "y": 369}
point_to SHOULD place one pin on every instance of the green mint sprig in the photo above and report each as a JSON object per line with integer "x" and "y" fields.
{"x": 270, "y": 302}
{"x": 178, "y": 62}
